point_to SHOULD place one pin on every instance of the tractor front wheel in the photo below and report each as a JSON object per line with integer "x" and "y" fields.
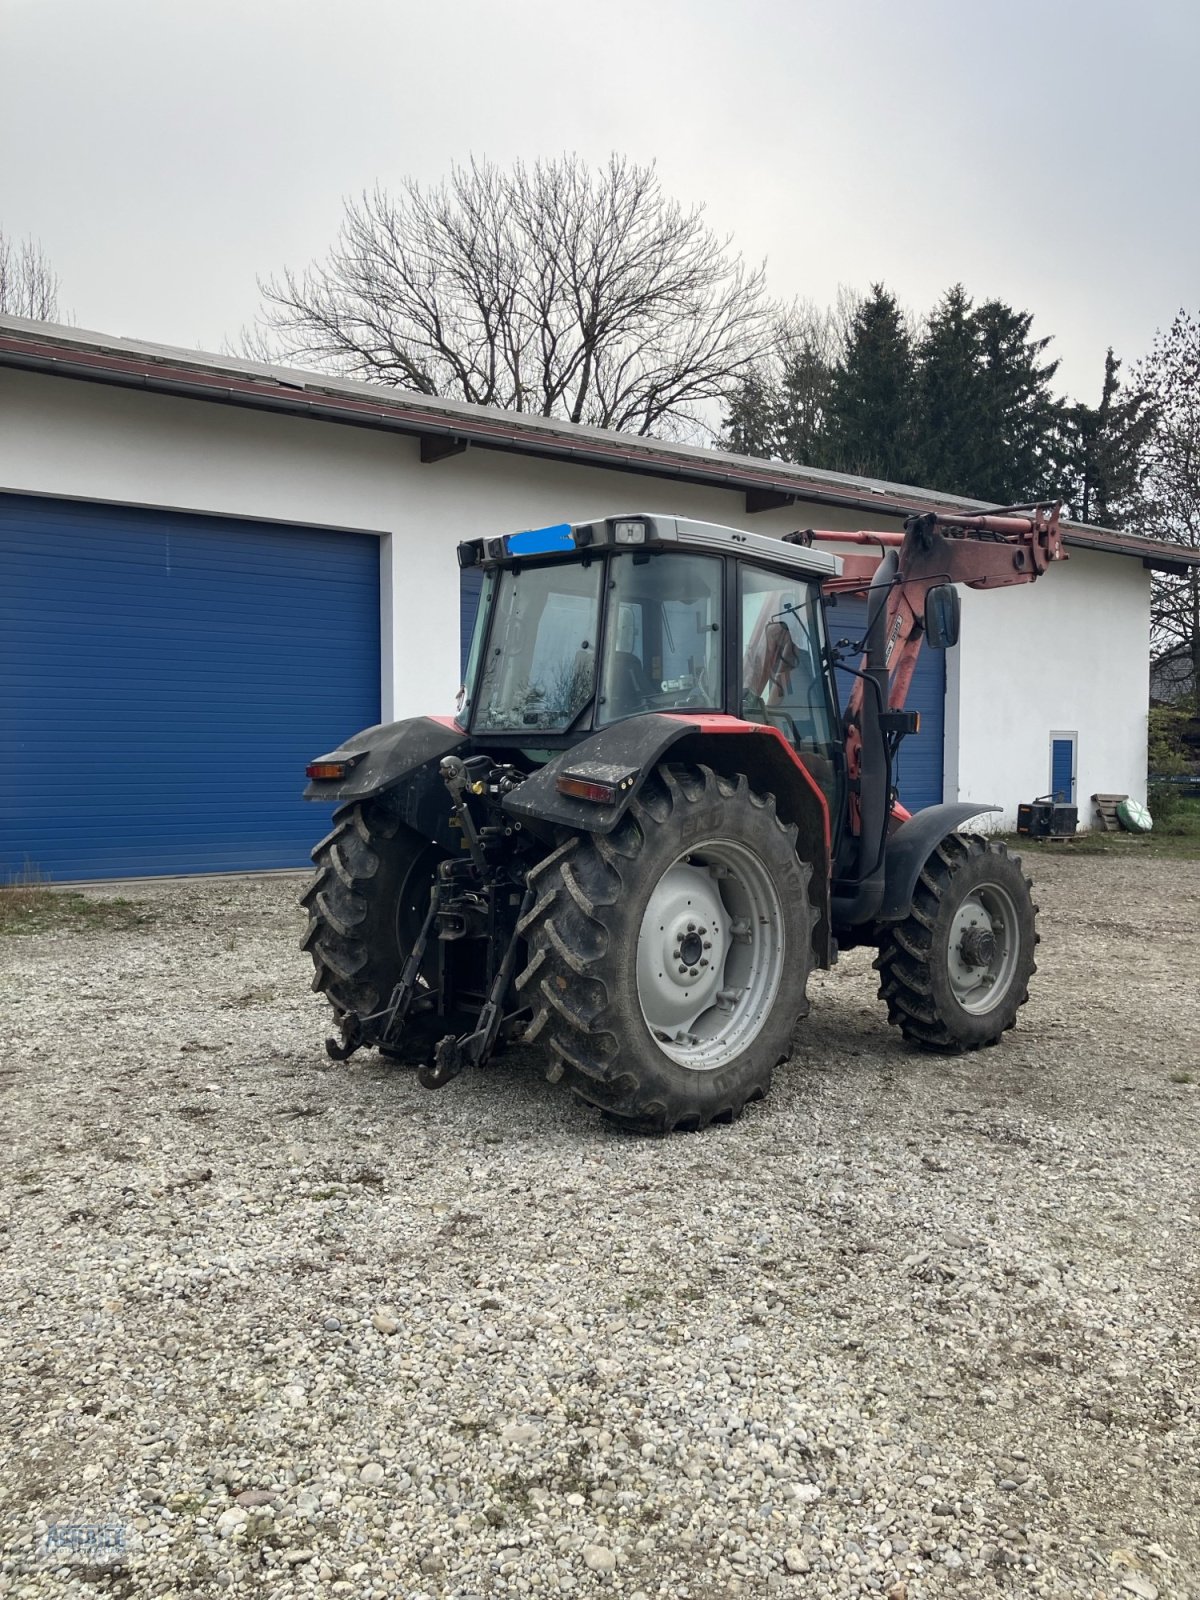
{"x": 956, "y": 971}
{"x": 668, "y": 960}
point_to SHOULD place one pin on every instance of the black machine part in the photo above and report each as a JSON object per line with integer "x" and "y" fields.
{"x": 1047, "y": 818}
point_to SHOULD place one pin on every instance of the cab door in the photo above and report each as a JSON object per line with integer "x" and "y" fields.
{"x": 785, "y": 676}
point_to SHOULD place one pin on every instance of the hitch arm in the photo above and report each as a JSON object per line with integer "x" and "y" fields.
{"x": 396, "y": 1010}
{"x": 475, "y": 1049}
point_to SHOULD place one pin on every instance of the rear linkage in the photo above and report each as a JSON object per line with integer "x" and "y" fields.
{"x": 461, "y": 900}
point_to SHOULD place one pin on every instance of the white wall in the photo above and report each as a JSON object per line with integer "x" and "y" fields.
{"x": 1070, "y": 652}
{"x": 95, "y": 442}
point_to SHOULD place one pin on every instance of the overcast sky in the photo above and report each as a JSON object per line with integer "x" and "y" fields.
{"x": 1046, "y": 152}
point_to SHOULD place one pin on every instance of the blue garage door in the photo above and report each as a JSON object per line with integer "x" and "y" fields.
{"x": 163, "y": 681}
{"x": 918, "y": 771}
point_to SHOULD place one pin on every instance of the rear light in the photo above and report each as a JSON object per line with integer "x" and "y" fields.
{"x": 322, "y": 771}
{"x": 598, "y": 781}
{"x": 604, "y": 794}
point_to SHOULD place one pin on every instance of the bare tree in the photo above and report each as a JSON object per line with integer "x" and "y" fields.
{"x": 1170, "y": 498}
{"x": 28, "y": 283}
{"x": 557, "y": 289}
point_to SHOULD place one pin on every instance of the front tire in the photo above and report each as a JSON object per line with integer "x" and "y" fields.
{"x": 956, "y": 971}
{"x": 668, "y": 960}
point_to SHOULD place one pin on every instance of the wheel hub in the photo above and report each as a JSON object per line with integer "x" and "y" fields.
{"x": 978, "y": 947}
{"x": 681, "y": 952}
{"x": 983, "y": 948}
{"x": 710, "y": 954}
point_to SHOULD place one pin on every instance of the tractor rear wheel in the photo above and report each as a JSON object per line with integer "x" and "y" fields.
{"x": 956, "y": 971}
{"x": 366, "y": 904}
{"x": 668, "y": 960}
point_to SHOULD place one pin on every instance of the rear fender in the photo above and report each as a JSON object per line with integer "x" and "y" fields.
{"x": 910, "y": 847}
{"x": 728, "y": 745}
{"x": 399, "y": 760}
{"x": 381, "y": 756}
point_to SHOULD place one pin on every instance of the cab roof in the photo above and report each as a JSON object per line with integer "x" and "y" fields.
{"x": 645, "y": 530}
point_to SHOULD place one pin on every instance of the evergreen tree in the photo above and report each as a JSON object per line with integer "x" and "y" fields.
{"x": 950, "y": 397}
{"x": 871, "y": 394}
{"x": 810, "y": 343}
{"x": 1108, "y": 444}
{"x": 1020, "y": 421}
{"x": 752, "y": 417}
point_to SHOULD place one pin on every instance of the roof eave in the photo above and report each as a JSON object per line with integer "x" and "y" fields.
{"x": 70, "y": 353}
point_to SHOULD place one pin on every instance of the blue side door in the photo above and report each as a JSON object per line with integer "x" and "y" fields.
{"x": 1062, "y": 771}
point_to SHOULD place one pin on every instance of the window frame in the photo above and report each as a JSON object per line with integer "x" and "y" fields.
{"x": 610, "y": 619}
{"x": 527, "y": 735}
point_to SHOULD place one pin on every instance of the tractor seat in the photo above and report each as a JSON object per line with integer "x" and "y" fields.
{"x": 628, "y": 685}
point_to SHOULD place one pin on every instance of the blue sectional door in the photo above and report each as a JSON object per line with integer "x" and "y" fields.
{"x": 918, "y": 771}
{"x": 164, "y": 679}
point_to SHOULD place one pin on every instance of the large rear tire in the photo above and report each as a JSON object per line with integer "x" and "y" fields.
{"x": 668, "y": 960}
{"x": 956, "y": 972}
{"x": 366, "y": 904}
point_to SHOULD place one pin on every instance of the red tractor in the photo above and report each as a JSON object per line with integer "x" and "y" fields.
{"x": 649, "y": 818}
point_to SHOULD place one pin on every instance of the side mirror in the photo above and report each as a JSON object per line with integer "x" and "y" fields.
{"x": 942, "y": 611}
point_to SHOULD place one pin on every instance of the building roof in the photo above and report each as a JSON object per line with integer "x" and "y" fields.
{"x": 447, "y": 427}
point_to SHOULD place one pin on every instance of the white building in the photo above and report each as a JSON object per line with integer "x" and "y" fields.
{"x": 210, "y": 571}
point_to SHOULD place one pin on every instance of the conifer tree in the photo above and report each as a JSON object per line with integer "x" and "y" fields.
{"x": 752, "y": 416}
{"x": 805, "y": 390}
{"x": 950, "y": 397}
{"x": 1020, "y": 421}
{"x": 871, "y": 396}
{"x": 1109, "y": 447}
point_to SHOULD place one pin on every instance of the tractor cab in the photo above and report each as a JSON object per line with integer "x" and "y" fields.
{"x": 580, "y": 627}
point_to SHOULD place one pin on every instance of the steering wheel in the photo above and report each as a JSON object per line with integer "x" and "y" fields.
{"x": 698, "y": 694}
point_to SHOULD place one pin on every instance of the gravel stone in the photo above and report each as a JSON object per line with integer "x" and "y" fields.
{"x": 296, "y": 1328}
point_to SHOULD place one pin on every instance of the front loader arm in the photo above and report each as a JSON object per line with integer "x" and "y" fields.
{"x": 994, "y": 551}
{"x": 987, "y": 552}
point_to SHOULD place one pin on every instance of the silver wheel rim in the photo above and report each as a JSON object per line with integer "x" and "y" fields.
{"x": 710, "y": 954}
{"x": 983, "y": 946}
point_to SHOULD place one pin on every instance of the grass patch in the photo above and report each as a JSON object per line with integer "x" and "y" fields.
{"x": 1176, "y": 837}
{"x": 36, "y": 908}
{"x": 1182, "y": 1077}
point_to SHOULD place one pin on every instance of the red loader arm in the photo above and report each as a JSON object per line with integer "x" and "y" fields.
{"x": 987, "y": 552}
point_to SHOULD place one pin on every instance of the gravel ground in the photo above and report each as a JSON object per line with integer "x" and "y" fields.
{"x": 913, "y": 1327}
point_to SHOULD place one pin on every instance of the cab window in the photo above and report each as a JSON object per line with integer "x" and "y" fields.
{"x": 784, "y": 680}
{"x": 663, "y": 634}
